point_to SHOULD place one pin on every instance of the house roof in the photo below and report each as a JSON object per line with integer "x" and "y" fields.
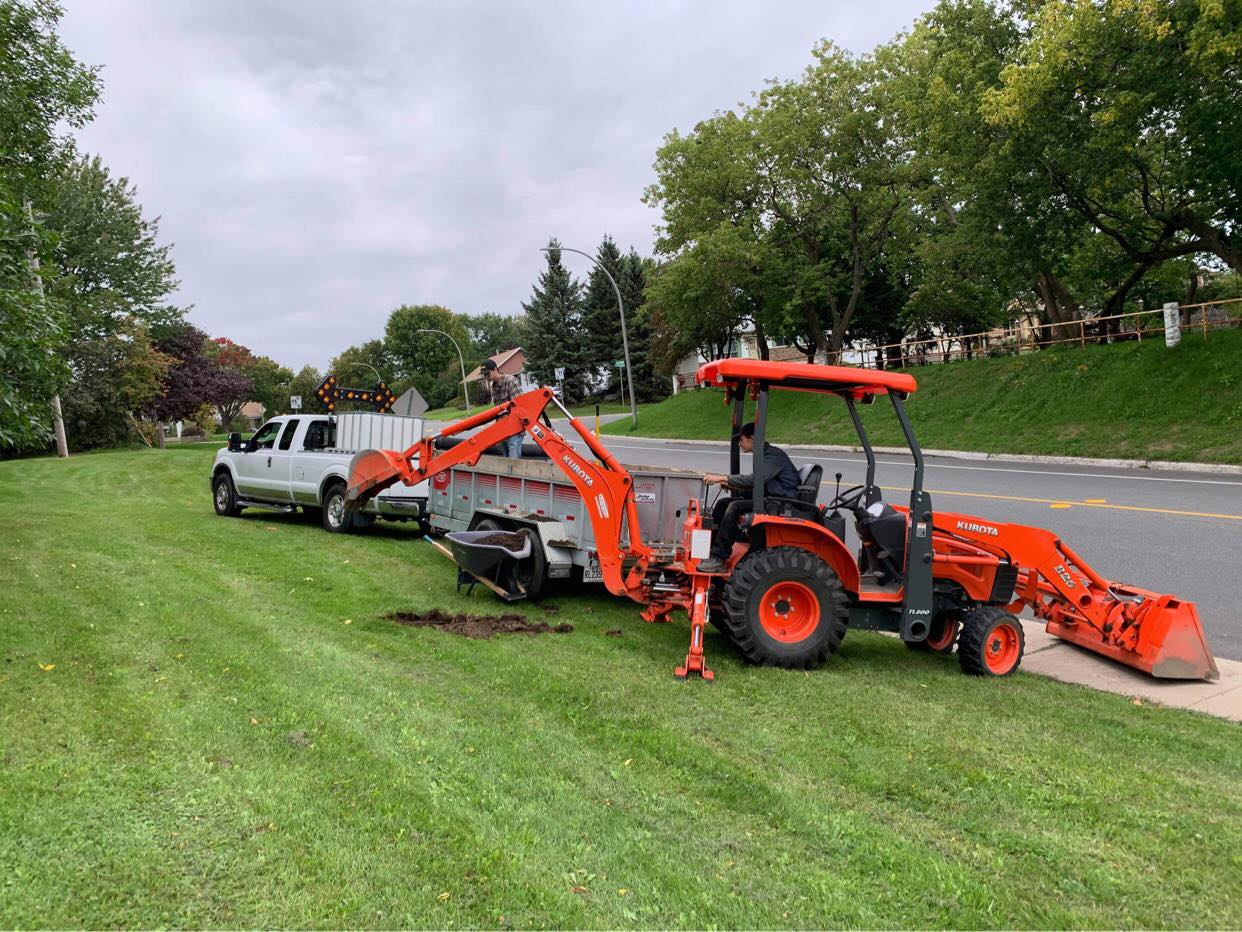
{"x": 252, "y": 409}
{"x": 510, "y": 362}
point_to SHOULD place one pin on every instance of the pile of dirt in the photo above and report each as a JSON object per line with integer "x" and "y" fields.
{"x": 476, "y": 626}
{"x": 508, "y": 539}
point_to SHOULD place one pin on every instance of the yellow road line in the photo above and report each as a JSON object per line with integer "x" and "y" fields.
{"x": 1070, "y": 501}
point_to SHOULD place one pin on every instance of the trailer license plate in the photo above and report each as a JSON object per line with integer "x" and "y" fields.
{"x": 592, "y": 572}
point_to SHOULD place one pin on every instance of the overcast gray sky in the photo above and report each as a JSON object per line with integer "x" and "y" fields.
{"x": 317, "y": 165}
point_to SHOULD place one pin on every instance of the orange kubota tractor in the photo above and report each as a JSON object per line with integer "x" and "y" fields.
{"x": 792, "y": 586}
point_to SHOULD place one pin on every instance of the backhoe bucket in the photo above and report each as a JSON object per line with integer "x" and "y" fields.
{"x": 1158, "y": 634}
{"x": 370, "y": 472}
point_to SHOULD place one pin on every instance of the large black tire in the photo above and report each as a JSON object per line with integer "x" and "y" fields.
{"x": 337, "y": 519}
{"x": 224, "y": 496}
{"x": 991, "y": 642}
{"x": 785, "y": 607}
{"x": 532, "y": 573}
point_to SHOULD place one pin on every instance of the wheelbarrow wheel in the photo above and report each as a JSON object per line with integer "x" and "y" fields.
{"x": 531, "y": 573}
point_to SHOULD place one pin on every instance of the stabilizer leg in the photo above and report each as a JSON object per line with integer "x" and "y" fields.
{"x": 695, "y": 663}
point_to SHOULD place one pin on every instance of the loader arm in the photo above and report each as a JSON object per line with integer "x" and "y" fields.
{"x": 605, "y": 485}
{"x": 1159, "y": 634}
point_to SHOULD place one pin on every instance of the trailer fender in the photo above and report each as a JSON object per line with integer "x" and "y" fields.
{"x": 807, "y": 535}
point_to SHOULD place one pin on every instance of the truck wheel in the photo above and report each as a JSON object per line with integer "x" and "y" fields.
{"x": 224, "y": 496}
{"x": 785, "y": 607}
{"x": 336, "y": 518}
{"x": 991, "y": 642}
{"x": 942, "y": 636}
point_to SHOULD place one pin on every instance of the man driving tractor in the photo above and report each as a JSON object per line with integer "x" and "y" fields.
{"x": 780, "y": 477}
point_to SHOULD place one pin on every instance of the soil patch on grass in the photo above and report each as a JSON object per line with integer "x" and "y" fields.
{"x": 476, "y": 626}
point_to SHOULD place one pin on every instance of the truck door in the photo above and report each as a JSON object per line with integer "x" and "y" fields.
{"x": 252, "y": 465}
{"x": 275, "y": 481}
{"x": 306, "y": 469}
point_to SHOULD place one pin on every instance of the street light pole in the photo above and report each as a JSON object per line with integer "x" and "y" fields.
{"x": 625, "y": 339}
{"x": 465, "y": 390}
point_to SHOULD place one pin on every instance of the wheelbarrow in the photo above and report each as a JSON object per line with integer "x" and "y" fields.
{"x": 490, "y": 557}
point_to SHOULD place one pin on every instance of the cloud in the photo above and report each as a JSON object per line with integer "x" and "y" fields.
{"x": 317, "y": 165}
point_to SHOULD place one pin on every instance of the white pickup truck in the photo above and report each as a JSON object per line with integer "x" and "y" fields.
{"x": 303, "y": 461}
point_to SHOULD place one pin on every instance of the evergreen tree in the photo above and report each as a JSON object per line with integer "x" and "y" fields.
{"x": 601, "y": 323}
{"x": 552, "y": 334}
{"x": 648, "y": 384}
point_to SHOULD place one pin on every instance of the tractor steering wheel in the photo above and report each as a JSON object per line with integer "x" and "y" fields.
{"x": 849, "y": 499}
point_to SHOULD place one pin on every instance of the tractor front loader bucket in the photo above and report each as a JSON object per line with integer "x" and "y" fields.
{"x": 372, "y": 471}
{"x": 1158, "y": 634}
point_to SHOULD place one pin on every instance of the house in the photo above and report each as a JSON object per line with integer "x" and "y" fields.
{"x": 746, "y": 346}
{"x": 509, "y": 362}
{"x": 252, "y": 412}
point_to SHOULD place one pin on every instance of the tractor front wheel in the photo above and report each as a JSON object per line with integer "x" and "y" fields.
{"x": 784, "y": 607}
{"x": 991, "y": 642}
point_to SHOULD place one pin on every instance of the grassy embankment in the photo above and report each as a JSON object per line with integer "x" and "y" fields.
{"x": 209, "y": 722}
{"x": 582, "y": 411}
{"x": 1130, "y": 401}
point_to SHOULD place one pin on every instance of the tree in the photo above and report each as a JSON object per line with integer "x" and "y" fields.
{"x": 116, "y": 376}
{"x": 635, "y": 273}
{"x": 420, "y": 358}
{"x": 111, "y": 264}
{"x": 194, "y": 378}
{"x": 491, "y": 334}
{"x": 43, "y": 92}
{"x": 552, "y": 332}
{"x": 304, "y": 383}
{"x": 268, "y": 379}
{"x": 1129, "y": 108}
{"x": 364, "y": 365}
{"x": 601, "y": 321}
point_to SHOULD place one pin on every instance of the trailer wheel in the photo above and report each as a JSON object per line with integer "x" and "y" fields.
{"x": 941, "y": 637}
{"x": 785, "y": 607}
{"x": 991, "y": 642}
{"x": 336, "y": 517}
{"x": 224, "y": 496}
{"x": 532, "y": 572}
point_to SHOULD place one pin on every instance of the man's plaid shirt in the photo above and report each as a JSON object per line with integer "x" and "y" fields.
{"x": 504, "y": 389}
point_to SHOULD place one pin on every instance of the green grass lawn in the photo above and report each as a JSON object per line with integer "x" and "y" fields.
{"x": 1130, "y": 400}
{"x": 208, "y": 722}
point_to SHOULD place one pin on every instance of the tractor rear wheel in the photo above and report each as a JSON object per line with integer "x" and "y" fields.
{"x": 991, "y": 642}
{"x": 785, "y": 607}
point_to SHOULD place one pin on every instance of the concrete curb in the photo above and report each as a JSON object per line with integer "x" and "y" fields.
{"x": 1217, "y": 468}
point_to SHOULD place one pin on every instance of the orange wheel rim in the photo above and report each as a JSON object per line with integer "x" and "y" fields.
{"x": 789, "y": 612}
{"x": 1000, "y": 651}
{"x": 948, "y": 631}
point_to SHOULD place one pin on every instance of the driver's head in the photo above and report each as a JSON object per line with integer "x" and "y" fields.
{"x": 746, "y": 440}
{"x": 490, "y": 372}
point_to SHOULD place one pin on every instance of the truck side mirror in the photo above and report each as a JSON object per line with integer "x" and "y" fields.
{"x": 235, "y": 443}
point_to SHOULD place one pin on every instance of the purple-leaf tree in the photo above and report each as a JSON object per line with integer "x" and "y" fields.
{"x": 196, "y": 378}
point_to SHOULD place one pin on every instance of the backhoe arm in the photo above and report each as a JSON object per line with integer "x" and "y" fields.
{"x": 606, "y": 486}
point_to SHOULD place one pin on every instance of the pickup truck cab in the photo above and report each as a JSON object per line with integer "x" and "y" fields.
{"x": 295, "y": 461}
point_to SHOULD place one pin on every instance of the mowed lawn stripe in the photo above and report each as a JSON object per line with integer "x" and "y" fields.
{"x": 552, "y": 780}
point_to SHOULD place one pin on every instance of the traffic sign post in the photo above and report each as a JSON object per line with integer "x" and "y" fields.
{"x": 295, "y": 402}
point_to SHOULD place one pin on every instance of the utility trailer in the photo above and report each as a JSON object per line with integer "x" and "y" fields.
{"x": 532, "y": 493}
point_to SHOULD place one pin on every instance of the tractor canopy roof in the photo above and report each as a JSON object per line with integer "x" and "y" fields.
{"x": 837, "y": 380}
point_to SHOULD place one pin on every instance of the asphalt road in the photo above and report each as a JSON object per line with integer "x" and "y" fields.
{"x": 1172, "y": 532}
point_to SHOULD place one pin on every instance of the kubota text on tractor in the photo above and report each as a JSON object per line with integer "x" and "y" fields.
{"x": 792, "y": 587}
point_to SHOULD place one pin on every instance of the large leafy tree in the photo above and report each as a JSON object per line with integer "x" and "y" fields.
{"x": 111, "y": 264}
{"x": 491, "y": 333}
{"x": 1130, "y": 109}
{"x": 44, "y": 91}
{"x": 420, "y": 358}
{"x": 116, "y": 377}
{"x": 363, "y": 365}
{"x": 194, "y": 378}
{"x": 268, "y": 379}
{"x": 552, "y": 331}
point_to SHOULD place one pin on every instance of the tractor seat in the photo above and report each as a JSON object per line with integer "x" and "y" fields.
{"x": 809, "y": 478}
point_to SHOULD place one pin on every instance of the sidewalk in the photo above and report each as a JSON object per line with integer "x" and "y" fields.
{"x": 1060, "y": 660}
